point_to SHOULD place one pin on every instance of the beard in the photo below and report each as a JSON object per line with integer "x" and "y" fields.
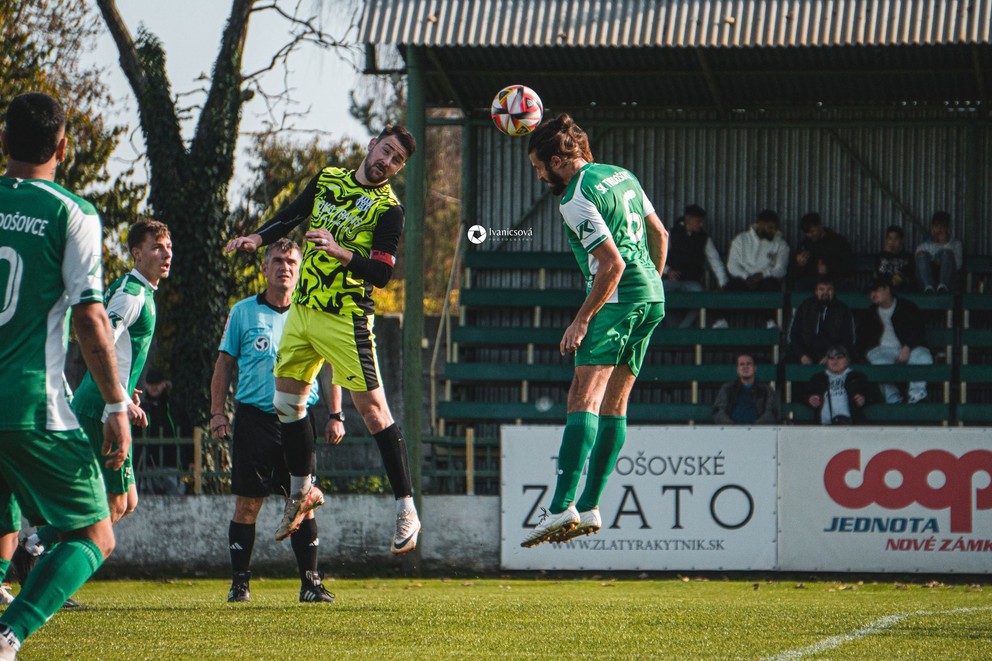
{"x": 373, "y": 178}
{"x": 555, "y": 183}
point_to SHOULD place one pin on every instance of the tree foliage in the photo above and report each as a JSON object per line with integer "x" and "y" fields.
{"x": 41, "y": 44}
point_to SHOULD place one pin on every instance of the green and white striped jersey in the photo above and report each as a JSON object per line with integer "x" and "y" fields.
{"x": 604, "y": 201}
{"x": 130, "y": 302}
{"x": 50, "y": 259}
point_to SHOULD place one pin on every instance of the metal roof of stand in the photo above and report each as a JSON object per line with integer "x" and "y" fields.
{"x": 696, "y": 54}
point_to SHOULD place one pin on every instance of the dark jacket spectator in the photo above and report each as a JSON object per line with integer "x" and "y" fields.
{"x": 822, "y": 251}
{"x": 166, "y": 419}
{"x": 839, "y": 395}
{"x": 746, "y": 401}
{"x": 895, "y": 261}
{"x": 906, "y": 322}
{"x": 764, "y": 402}
{"x": 691, "y": 250}
{"x": 819, "y": 322}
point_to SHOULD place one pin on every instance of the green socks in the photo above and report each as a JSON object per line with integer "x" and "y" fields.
{"x": 4, "y": 566}
{"x": 609, "y": 440}
{"x": 54, "y": 579}
{"x": 578, "y": 439}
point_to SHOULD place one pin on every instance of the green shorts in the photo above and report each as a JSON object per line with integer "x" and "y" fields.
{"x": 54, "y": 477}
{"x": 345, "y": 341}
{"x": 619, "y": 334}
{"x": 117, "y": 481}
{"x": 10, "y": 514}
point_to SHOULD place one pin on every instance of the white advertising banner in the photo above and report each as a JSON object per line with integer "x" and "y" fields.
{"x": 885, "y": 500}
{"x": 680, "y": 498}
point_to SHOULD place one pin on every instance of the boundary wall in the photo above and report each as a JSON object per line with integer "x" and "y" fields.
{"x": 857, "y": 499}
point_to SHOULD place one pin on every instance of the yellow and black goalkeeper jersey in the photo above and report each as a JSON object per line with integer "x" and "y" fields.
{"x": 366, "y": 220}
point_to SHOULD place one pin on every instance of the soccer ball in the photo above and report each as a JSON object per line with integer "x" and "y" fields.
{"x": 516, "y": 110}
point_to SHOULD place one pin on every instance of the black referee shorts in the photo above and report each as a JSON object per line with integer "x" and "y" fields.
{"x": 258, "y": 464}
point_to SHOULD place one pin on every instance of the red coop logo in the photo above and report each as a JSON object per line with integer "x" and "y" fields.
{"x": 916, "y": 484}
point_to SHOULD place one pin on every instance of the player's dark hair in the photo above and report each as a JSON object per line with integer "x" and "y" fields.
{"x": 695, "y": 211}
{"x": 809, "y": 221}
{"x": 400, "y": 133}
{"x": 142, "y": 229}
{"x": 824, "y": 279}
{"x": 35, "y": 122}
{"x": 284, "y": 246}
{"x": 768, "y": 216}
{"x": 897, "y": 229}
{"x": 941, "y": 218}
{"x": 560, "y": 137}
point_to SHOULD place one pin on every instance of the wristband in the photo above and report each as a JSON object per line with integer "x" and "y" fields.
{"x": 119, "y": 407}
{"x": 214, "y": 415}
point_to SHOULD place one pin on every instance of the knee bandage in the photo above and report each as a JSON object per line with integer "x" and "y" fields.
{"x": 290, "y": 407}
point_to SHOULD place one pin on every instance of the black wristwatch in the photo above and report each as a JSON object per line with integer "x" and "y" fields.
{"x": 337, "y": 416}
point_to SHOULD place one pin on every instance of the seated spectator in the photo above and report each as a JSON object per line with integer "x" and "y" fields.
{"x": 895, "y": 261}
{"x": 890, "y": 332}
{"x": 821, "y": 251}
{"x": 939, "y": 260}
{"x": 839, "y": 394}
{"x": 166, "y": 419}
{"x": 746, "y": 401}
{"x": 690, "y": 250}
{"x": 818, "y": 323}
{"x": 759, "y": 256}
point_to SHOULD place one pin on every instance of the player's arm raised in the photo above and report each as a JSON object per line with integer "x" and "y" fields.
{"x": 280, "y": 224}
{"x": 93, "y": 331}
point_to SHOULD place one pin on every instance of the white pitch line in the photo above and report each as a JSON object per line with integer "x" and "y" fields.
{"x": 878, "y": 625}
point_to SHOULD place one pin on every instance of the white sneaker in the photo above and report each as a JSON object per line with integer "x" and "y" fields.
{"x": 552, "y": 526}
{"x": 5, "y": 596}
{"x": 407, "y": 532}
{"x": 720, "y": 323}
{"x": 296, "y": 509}
{"x": 589, "y": 524}
{"x": 9, "y": 645}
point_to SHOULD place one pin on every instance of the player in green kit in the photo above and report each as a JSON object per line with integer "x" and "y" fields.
{"x": 130, "y": 303}
{"x": 621, "y": 246}
{"x": 51, "y": 261}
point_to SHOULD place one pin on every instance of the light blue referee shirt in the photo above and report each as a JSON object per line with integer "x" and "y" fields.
{"x": 252, "y": 336}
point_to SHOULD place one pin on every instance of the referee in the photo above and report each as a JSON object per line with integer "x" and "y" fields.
{"x": 250, "y": 341}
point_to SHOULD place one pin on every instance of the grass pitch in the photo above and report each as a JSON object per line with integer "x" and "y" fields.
{"x": 524, "y": 619}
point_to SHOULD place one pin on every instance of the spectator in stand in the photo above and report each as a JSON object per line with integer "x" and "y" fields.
{"x": 839, "y": 394}
{"x": 895, "y": 261}
{"x": 759, "y": 256}
{"x": 890, "y": 333}
{"x": 821, "y": 251}
{"x": 690, "y": 250}
{"x": 746, "y": 401}
{"x": 819, "y": 322}
{"x": 166, "y": 419}
{"x": 939, "y": 260}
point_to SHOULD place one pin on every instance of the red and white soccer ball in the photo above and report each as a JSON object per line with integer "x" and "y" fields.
{"x": 517, "y": 110}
